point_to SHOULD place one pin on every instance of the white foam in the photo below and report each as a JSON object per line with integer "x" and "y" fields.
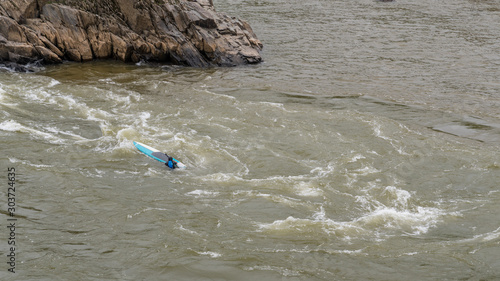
{"x": 153, "y": 172}
{"x": 127, "y": 134}
{"x": 199, "y": 193}
{"x": 349, "y": 252}
{"x": 274, "y": 104}
{"x": 146, "y": 210}
{"x": 53, "y": 83}
{"x": 277, "y": 198}
{"x": 96, "y": 173}
{"x": 287, "y": 223}
{"x": 181, "y": 227}
{"x": 123, "y": 172}
{"x": 65, "y": 101}
{"x": 382, "y": 222}
{"x": 123, "y": 98}
{"x": 118, "y": 143}
{"x": 324, "y": 171}
{"x": 119, "y": 98}
{"x": 25, "y": 162}
{"x": 356, "y": 157}
{"x": 401, "y": 197}
{"x": 93, "y": 114}
{"x": 495, "y": 234}
{"x": 220, "y": 95}
{"x": 318, "y": 224}
{"x": 414, "y": 223}
{"x": 307, "y": 189}
{"x": 13, "y": 126}
{"x": 320, "y": 215}
{"x": 39, "y": 96}
{"x": 10, "y": 125}
{"x": 219, "y": 177}
{"x": 209, "y": 253}
{"x": 367, "y": 170}
{"x": 142, "y": 119}
{"x": 107, "y": 81}
{"x": 57, "y": 131}
{"x": 377, "y": 129}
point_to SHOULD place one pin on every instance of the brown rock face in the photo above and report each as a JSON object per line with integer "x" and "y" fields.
{"x": 186, "y": 32}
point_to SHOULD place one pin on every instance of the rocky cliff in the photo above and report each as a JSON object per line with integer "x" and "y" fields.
{"x": 186, "y": 32}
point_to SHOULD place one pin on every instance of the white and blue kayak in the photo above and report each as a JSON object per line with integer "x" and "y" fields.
{"x": 160, "y": 156}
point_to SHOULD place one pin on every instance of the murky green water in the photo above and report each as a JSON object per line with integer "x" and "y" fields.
{"x": 365, "y": 147}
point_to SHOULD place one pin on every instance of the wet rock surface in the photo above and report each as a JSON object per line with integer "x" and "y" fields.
{"x": 188, "y": 33}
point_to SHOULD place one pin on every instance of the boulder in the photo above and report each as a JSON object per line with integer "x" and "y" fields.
{"x": 186, "y": 32}
{"x": 48, "y": 55}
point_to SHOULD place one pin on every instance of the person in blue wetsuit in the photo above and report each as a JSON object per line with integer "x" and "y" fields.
{"x": 171, "y": 162}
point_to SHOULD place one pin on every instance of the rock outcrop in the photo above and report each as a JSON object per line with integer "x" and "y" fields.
{"x": 171, "y": 31}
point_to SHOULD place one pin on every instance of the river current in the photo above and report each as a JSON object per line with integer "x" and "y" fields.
{"x": 364, "y": 147}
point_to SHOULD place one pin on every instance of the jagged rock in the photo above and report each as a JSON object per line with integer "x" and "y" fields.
{"x": 48, "y": 55}
{"x": 188, "y": 32}
{"x": 19, "y": 10}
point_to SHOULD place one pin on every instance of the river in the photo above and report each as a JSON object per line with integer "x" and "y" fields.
{"x": 364, "y": 147}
